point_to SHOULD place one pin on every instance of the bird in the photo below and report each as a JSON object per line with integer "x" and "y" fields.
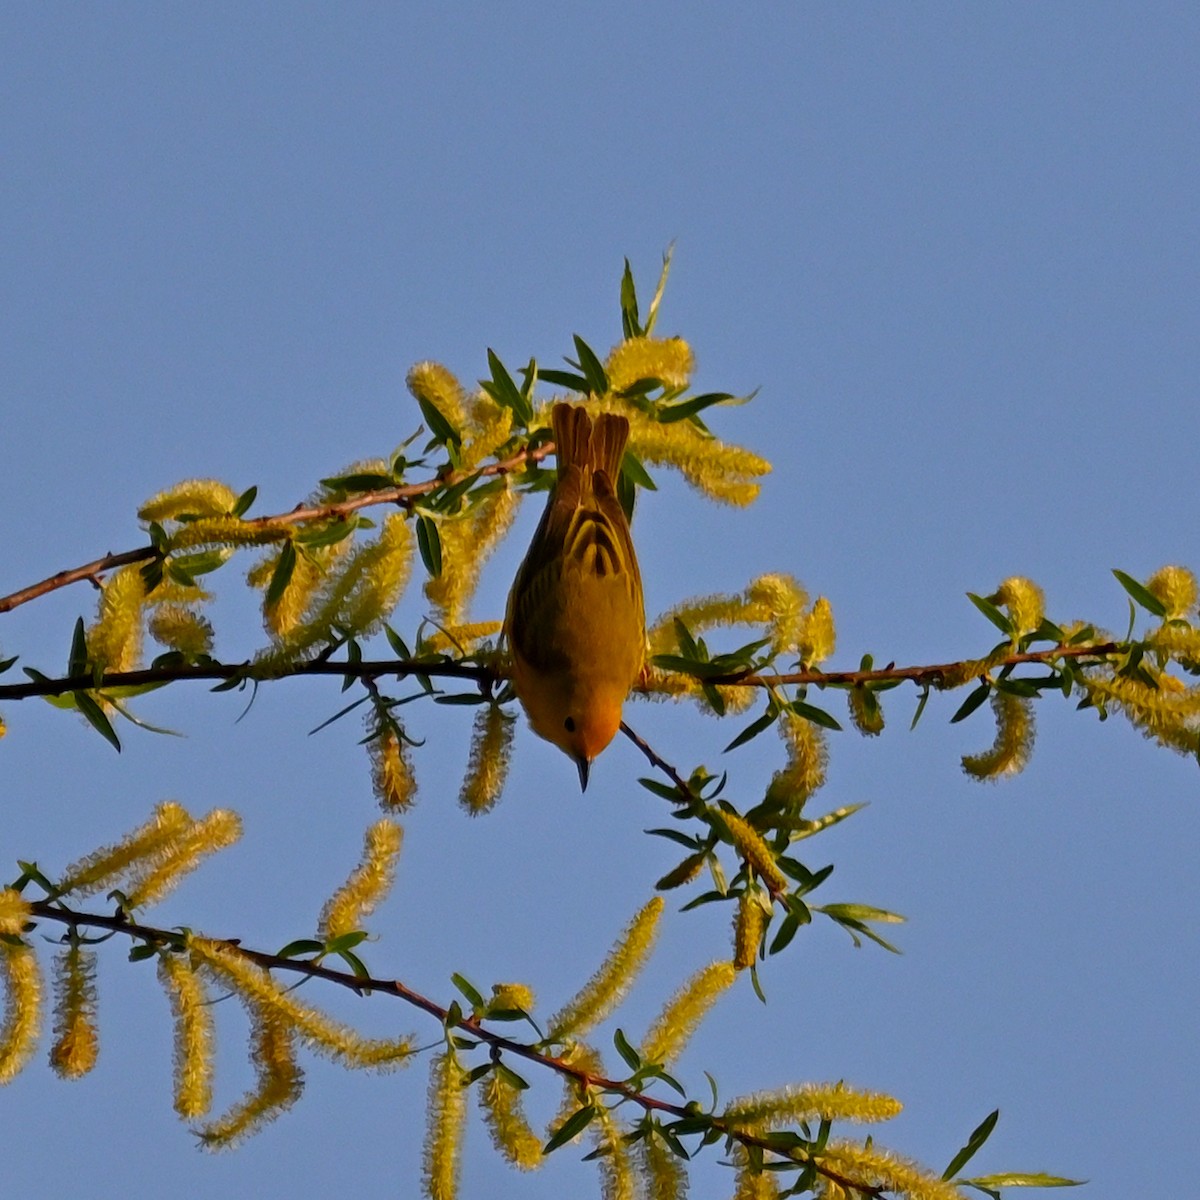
{"x": 575, "y": 622}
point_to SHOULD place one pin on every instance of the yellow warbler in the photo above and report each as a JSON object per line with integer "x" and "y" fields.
{"x": 576, "y": 624}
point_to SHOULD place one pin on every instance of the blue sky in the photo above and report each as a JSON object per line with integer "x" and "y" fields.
{"x": 954, "y": 246}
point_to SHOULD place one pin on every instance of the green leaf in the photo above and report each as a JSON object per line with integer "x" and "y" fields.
{"x": 664, "y": 791}
{"x": 752, "y": 730}
{"x": 971, "y": 703}
{"x": 142, "y": 951}
{"x": 818, "y": 716}
{"x": 300, "y": 946}
{"x": 592, "y": 367}
{"x": 360, "y": 481}
{"x": 503, "y": 389}
{"x": 1021, "y": 1179}
{"x": 242, "y": 505}
{"x": 511, "y": 1077}
{"x": 673, "y": 835}
{"x": 465, "y": 986}
{"x": 630, "y": 325}
{"x": 861, "y": 912}
{"x": 326, "y": 535}
{"x": 652, "y": 316}
{"x": 920, "y": 707}
{"x": 96, "y": 717}
{"x": 282, "y": 575}
{"x": 667, "y": 414}
{"x": 429, "y": 542}
{"x": 993, "y": 614}
{"x": 635, "y": 472}
{"x": 77, "y": 659}
{"x": 439, "y": 427}
{"x": 633, "y": 1060}
{"x": 6, "y": 663}
{"x": 565, "y": 379}
{"x": 787, "y": 931}
{"x": 1142, "y": 594}
{"x": 574, "y": 1125}
{"x": 398, "y": 644}
{"x": 980, "y": 1135}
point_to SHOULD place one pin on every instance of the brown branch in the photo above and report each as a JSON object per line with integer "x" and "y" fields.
{"x": 120, "y": 923}
{"x": 152, "y": 676}
{"x": 375, "y": 668}
{"x": 402, "y": 496}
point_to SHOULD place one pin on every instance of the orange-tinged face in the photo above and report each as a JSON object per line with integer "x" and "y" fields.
{"x": 580, "y": 721}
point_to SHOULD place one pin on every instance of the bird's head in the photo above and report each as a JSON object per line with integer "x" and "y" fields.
{"x": 580, "y": 723}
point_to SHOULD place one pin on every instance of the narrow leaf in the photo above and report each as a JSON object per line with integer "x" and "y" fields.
{"x": 979, "y": 1135}
{"x": 1142, "y": 594}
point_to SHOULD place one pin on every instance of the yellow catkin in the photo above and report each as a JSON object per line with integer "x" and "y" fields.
{"x": 489, "y": 427}
{"x": 754, "y": 1185}
{"x": 76, "y": 1043}
{"x": 285, "y": 613}
{"x": 102, "y": 868}
{"x": 153, "y": 880}
{"x": 684, "y": 872}
{"x": 368, "y": 884}
{"x": 669, "y": 360}
{"x": 607, "y": 987}
{"x": 14, "y": 912}
{"x": 358, "y": 597}
{"x": 227, "y": 533}
{"x": 1176, "y": 588}
{"x": 1168, "y": 713}
{"x": 505, "y": 1118}
{"x": 447, "y": 1110}
{"x": 575, "y": 1093}
{"x": 722, "y": 472}
{"x": 885, "y": 1171}
{"x": 461, "y": 638}
{"x": 808, "y": 755}
{"x": 392, "y": 775}
{"x": 683, "y": 1013}
{"x": 1179, "y": 642}
{"x": 818, "y": 636}
{"x": 1014, "y": 739}
{"x": 467, "y": 542}
{"x": 192, "y": 1014}
{"x": 865, "y": 711}
{"x": 436, "y": 385}
{"x": 1025, "y": 601}
{"x": 487, "y": 769}
{"x": 618, "y": 1179}
{"x": 21, "y": 987}
{"x": 663, "y": 1172}
{"x": 809, "y": 1102}
{"x": 114, "y": 642}
{"x": 511, "y": 996}
{"x": 277, "y": 1087}
{"x": 778, "y": 600}
{"x": 316, "y": 1029}
{"x": 180, "y": 628}
{"x": 193, "y": 498}
{"x": 755, "y": 851}
{"x": 750, "y": 919}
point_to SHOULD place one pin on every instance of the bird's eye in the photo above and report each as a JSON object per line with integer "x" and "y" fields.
{"x": 569, "y": 724}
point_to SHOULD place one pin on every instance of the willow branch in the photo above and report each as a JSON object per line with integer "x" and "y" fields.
{"x": 933, "y": 675}
{"x": 402, "y": 496}
{"x": 472, "y": 1025}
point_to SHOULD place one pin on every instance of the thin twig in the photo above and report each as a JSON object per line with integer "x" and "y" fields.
{"x": 119, "y": 923}
{"x": 401, "y": 668}
{"x": 403, "y": 496}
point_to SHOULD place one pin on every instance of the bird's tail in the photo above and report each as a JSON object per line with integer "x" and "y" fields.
{"x": 596, "y": 444}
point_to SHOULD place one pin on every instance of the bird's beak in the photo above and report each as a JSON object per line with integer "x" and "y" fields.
{"x": 584, "y": 767}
